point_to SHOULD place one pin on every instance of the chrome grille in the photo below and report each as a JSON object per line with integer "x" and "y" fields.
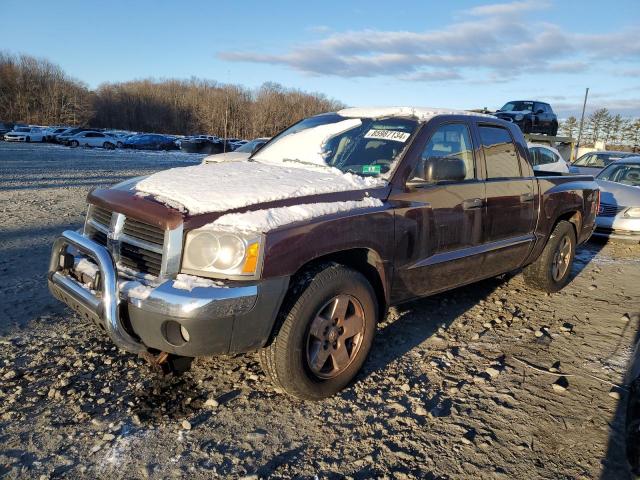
{"x": 140, "y": 259}
{"x": 101, "y": 216}
{"x": 143, "y": 231}
{"x": 134, "y": 244}
{"x": 607, "y": 210}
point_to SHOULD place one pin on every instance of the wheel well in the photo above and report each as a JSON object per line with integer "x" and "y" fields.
{"x": 575, "y": 218}
{"x": 362, "y": 260}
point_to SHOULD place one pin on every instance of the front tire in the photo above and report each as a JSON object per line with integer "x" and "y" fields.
{"x": 27, "y": 140}
{"x": 551, "y": 271}
{"x": 326, "y": 329}
{"x": 108, "y": 146}
{"x": 74, "y": 143}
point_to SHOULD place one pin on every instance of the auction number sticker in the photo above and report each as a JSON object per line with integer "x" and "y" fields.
{"x": 388, "y": 135}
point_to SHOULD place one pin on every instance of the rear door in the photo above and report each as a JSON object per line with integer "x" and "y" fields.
{"x": 510, "y": 198}
{"x": 439, "y": 223}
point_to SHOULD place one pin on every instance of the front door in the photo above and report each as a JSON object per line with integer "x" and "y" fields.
{"x": 439, "y": 221}
{"x": 510, "y": 197}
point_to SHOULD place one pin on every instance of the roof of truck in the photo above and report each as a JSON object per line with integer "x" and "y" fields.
{"x": 422, "y": 113}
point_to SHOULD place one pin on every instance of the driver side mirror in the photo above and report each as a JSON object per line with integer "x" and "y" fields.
{"x": 444, "y": 169}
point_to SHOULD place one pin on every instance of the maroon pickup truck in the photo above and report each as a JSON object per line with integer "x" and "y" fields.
{"x": 298, "y": 250}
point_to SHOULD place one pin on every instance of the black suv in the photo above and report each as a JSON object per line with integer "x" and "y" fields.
{"x": 531, "y": 116}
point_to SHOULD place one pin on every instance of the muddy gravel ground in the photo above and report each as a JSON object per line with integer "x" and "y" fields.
{"x": 460, "y": 385}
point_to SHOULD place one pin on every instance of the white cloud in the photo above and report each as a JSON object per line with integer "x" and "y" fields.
{"x": 501, "y": 41}
{"x": 508, "y": 8}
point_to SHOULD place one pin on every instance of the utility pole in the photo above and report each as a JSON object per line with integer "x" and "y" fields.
{"x": 584, "y": 105}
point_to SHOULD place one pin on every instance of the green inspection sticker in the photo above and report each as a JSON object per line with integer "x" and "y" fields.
{"x": 371, "y": 169}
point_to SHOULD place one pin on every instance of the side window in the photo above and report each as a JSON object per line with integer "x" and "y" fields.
{"x": 534, "y": 153}
{"x": 582, "y": 161}
{"x": 448, "y": 143}
{"x": 595, "y": 161}
{"x": 546, "y": 156}
{"x": 499, "y": 152}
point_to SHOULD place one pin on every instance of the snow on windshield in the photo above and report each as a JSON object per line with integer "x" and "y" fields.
{"x": 305, "y": 146}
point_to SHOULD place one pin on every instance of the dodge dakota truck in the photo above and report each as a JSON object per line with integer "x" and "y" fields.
{"x": 298, "y": 251}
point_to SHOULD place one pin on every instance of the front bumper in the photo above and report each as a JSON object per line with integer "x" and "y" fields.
{"x": 618, "y": 228}
{"x": 139, "y": 315}
{"x": 14, "y": 139}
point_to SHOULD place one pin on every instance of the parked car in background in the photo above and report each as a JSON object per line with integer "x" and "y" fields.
{"x": 5, "y": 127}
{"x": 201, "y": 144}
{"x": 151, "y": 141}
{"x": 593, "y": 162}
{"x": 530, "y": 115}
{"x": 25, "y": 134}
{"x": 92, "y": 139}
{"x": 241, "y": 153}
{"x": 545, "y": 158}
{"x": 619, "y": 212}
{"x": 51, "y": 132}
{"x": 119, "y": 137}
{"x": 63, "y": 137}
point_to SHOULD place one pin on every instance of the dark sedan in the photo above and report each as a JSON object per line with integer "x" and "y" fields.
{"x": 530, "y": 115}
{"x": 151, "y": 141}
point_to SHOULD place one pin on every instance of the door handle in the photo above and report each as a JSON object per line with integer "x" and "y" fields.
{"x": 472, "y": 203}
{"x": 526, "y": 197}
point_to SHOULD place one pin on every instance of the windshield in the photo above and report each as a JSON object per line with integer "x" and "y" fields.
{"x": 598, "y": 160}
{"x": 364, "y": 146}
{"x": 625, "y": 173}
{"x": 23, "y": 129}
{"x": 250, "y": 146}
{"x": 517, "y": 107}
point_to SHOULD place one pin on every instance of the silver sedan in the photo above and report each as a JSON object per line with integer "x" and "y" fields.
{"x": 619, "y": 214}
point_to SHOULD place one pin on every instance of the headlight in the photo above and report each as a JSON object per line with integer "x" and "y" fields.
{"x": 219, "y": 254}
{"x": 519, "y": 117}
{"x": 633, "y": 212}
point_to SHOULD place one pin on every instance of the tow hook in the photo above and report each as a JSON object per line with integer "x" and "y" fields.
{"x": 167, "y": 363}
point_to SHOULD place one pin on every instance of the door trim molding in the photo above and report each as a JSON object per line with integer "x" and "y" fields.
{"x": 472, "y": 251}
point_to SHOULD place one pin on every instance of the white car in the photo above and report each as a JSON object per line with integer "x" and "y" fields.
{"x": 92, "y": 139}
{"x": 546, "y": 159}
{"x": 25, "y": 134}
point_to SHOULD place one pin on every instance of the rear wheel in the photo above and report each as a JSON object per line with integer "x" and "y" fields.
{"x": 325, "y": 333}
{"x": 553, "y": 131}
{"x": 551, "y": 271}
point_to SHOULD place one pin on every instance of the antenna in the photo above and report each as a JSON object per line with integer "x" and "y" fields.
{"x": 586, "y": 93}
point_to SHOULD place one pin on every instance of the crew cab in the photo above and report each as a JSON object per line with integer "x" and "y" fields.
{"x": 298, "y": 251}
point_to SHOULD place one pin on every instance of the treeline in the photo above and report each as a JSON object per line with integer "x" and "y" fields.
{"x": 35, "y": 91}
{"x": 601, "y": 125}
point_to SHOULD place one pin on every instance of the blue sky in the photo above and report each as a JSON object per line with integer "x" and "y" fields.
{"x": 457, "y": 54}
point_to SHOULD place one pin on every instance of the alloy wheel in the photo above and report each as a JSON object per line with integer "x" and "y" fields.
{"x": 335, "y": 336}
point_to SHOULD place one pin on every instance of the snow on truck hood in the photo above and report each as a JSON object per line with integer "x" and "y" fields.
{"x": 218, "y": 187}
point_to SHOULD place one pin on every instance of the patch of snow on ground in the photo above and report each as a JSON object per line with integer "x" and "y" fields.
{"x": 223, "y": 186}
{"x": 189, "y": 282}
{"x": 272, "y": 218}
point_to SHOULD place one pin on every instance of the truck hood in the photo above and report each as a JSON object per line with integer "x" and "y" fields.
{"x": 237, "y": 194}
{"x": 220, "y": 187}
{"x": 613, "y": 193}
